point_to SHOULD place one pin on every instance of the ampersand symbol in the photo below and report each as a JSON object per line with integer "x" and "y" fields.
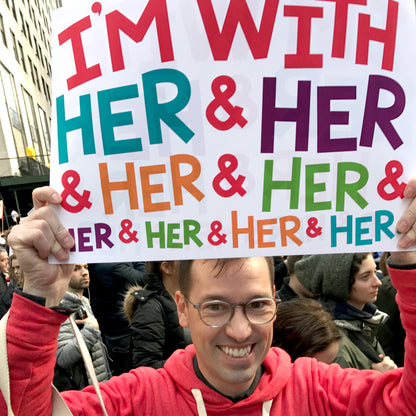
{"x": 221, "y": 100}
{"x": 216, "y": 227}
{"x": 393, "y": 170}
{"x": 226, "y": 174}
{"x": 126, "y": 226}
{"x": 70, "y": 180}
{"x": 313, "y": 231}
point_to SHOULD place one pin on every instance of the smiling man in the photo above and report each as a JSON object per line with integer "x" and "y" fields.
{"x": 231, "y": 325}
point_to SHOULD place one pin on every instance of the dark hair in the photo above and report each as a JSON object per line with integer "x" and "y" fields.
{"x": 184, "y": 271}
{"x": 303, "y": 328}
{"x": 355, "y": 266}
{"x": 382, "y": 264}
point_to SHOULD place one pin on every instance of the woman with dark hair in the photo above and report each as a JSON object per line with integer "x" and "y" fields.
{"x": 151, "y": 311}
{"x": 303, "y": 328}
{"x": 348, "y": 284}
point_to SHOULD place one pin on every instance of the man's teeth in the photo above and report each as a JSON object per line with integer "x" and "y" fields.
{"x": 237, "y": 352}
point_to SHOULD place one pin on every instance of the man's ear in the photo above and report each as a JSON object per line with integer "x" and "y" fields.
{"x": 182, "y": 308}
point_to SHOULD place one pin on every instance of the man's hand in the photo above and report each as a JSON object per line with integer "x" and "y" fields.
{"x": 406, "y": 226}
{"x": 37, "y": 236}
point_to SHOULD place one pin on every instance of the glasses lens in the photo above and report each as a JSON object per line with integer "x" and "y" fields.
{"x": 261, "y": 311}
{"x": 215, "y": 312}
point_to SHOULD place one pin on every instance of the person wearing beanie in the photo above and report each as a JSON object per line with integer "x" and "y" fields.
{"x": 348, "y": 285}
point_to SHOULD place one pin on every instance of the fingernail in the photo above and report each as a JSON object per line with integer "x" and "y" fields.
{"x": 401, "y": 227}
{"x": 56, "y": 198}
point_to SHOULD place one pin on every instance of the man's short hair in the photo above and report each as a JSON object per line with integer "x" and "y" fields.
{"x": 184, "y": 271}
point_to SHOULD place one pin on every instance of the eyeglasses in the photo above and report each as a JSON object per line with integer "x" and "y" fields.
{"x": 218, "y": 313}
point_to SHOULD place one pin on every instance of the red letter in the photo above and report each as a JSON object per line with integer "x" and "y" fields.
{"x": 83, "y": 73}
{"x": 387, "y": 36}
{"x": 303, "y": 58}
{"x": 340, "y": 25}
{"x": 116, "y": 22}
{"x": 238, "y": 12}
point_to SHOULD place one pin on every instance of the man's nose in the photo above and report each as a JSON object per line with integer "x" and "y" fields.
{"x": 239, "y": 328}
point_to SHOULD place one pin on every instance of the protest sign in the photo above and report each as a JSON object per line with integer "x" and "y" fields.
{"x": 211, "y": 128}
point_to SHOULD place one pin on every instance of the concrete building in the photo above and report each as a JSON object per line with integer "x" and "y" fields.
{"x": 25, "y": 101}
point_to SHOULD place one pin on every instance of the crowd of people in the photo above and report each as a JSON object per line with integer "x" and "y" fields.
{"x": 207, "y": 327}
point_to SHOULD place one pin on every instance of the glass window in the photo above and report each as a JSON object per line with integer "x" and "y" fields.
{"x": 22, "y": 57}
{"x": 3, "y": 32}
{"x": 15, "y": 116}
{"x": 46, "y": 140}
{"x": 33, "y": 126}
{"x": 16, "y": 53}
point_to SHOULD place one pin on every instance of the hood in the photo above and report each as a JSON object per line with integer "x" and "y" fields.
{"x": 277, "y": 370}
{"x": 326, "y": 274}
{"x": 71, "y": 301}
{"x": 129, "y": 300}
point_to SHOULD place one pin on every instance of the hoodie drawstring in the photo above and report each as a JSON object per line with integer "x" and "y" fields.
{"x": 200, "y": 406}
{"x": 267, "y": 407}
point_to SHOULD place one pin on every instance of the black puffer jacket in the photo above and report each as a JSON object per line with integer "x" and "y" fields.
{"x": 154, "y": 323}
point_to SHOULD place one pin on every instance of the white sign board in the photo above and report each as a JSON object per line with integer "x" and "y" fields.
{"x": 212, "y": 128}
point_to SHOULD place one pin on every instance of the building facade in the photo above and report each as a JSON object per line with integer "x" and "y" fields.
{"x": 25, "y": 100}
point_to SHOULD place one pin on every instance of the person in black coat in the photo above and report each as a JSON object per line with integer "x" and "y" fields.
{"x": 109, "y": 283}
{"x": 153, "y": 317}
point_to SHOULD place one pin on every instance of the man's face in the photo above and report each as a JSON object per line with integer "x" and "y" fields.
{"x": 15, "y": 268}
{"x": 366, "y": 284}
{"x": 80, "y": 278}
{"x": 4, "y": 262}
{"x": 228, "y": 356}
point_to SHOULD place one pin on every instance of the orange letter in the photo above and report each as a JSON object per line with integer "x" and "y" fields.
{"x": 148, "y": 189}
{"x": 284, "y": 232}
{"x": 186, "y": 181}
{"x": 128, "y": 185}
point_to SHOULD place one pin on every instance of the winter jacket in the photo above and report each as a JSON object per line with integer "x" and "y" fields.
{"x": 303, "y": 388}
{"x": 392, "y": 336}
{"x": 68, "y": 356}
{"x": 361, "y": 326}
{"x": 155, "y": 329}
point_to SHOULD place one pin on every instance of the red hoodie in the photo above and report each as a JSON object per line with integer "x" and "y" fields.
{"x": 306, "y": 387}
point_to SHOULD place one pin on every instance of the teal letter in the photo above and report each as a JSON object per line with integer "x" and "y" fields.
{"x": 110, "y": 120}
{"x": 335, "y": 230}
{"x": 166, "y": 112}
{"x": 359, "y": 231}
{"x": 383, "y": 226}
{"x": 83, "y": 122}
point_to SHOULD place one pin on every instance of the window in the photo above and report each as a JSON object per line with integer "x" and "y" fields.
{"x": 3, "y": 32}
{"x": 12, "y": 103}
{"x": 33, "y": 126}
{"x": 28, "y": 34}
{"x": 36, "y": 81}
{"x": 16, "y": 53}
{"x": 46, "y": 136}
{"x": 22, "y": 57}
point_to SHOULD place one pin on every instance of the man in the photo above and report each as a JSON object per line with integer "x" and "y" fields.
{"x": 70, "y": 373}
{"x": 229, "y": 369}
{"x": 16, "y": 281}
{"x": 4, "y": 275}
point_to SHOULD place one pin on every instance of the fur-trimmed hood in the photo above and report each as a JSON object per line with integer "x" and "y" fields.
{"x": 129, "y": 301}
